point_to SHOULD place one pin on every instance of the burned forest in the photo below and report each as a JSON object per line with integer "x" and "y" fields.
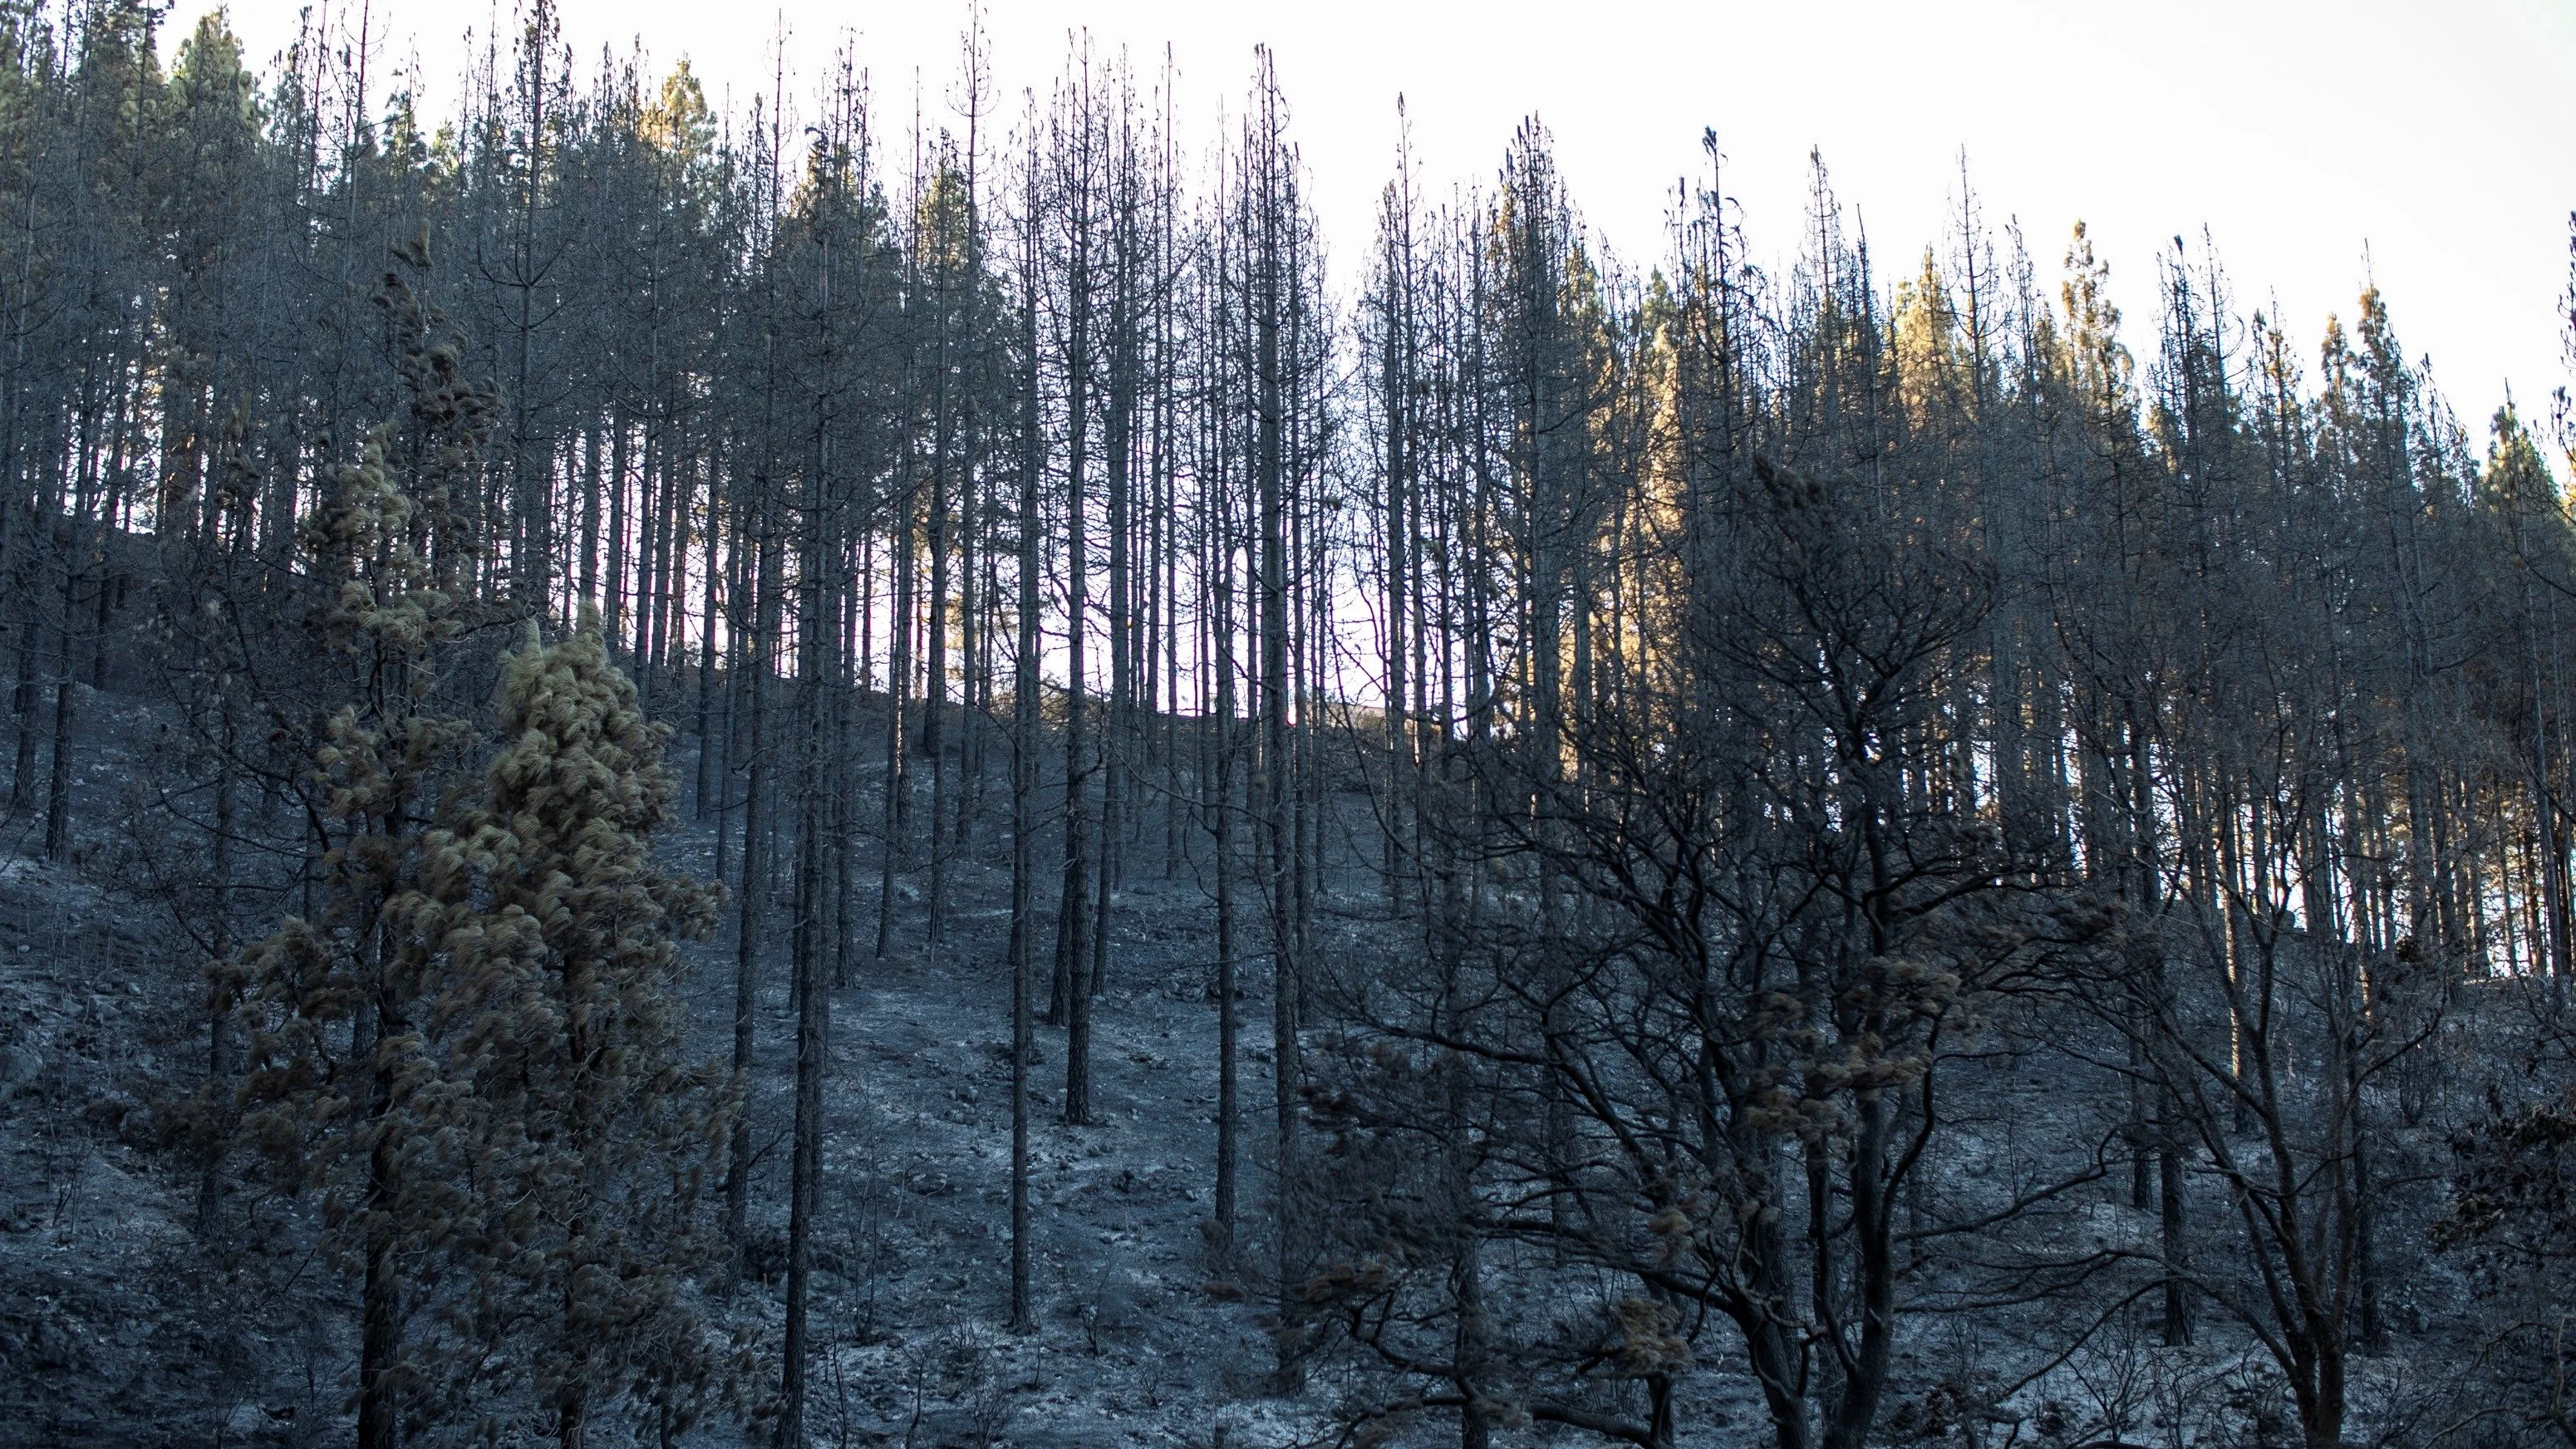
{"x": 828, "y": 767}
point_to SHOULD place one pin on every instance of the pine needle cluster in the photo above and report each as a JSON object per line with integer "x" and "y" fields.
{"x": 559, "y": 1007}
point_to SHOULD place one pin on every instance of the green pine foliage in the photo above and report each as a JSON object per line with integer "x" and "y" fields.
{"x": 558, "y": 1007}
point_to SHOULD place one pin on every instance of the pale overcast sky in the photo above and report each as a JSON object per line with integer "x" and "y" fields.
{"x": 2429, "y": 144}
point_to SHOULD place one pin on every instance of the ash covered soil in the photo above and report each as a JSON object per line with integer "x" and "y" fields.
{"x": 1141, "y": 1336}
